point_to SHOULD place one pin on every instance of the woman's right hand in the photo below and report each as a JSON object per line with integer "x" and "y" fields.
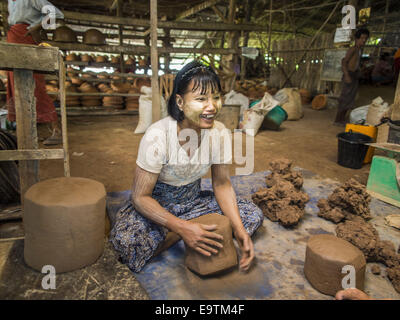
{"x": 200, "y": 237}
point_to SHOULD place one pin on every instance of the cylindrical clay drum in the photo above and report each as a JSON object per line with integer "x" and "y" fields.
{"x": 326, "y": 255}
{"x": 224, "y": 259}
{"x": 64, "y": 221}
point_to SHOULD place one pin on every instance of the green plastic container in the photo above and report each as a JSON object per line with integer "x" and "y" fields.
{"x": 274, "y": 118}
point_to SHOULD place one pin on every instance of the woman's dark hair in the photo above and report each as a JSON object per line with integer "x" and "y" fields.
{"x": 360, "y": 32}
{"x": 203, "y": 77}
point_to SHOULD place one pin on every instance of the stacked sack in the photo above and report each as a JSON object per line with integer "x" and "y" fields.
{"x": 71, "y": 101}
{"x": 89, "y": 101}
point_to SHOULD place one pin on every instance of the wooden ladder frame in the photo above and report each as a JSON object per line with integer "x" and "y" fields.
{"x": 23, "y": 60}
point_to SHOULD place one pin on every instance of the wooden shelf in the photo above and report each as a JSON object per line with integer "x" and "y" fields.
{"x": 98, "y": 94}
{"x": 98, "y": 111}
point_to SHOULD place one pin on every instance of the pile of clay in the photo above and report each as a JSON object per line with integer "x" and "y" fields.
{"x": 364, "y": 236}
{"x": 347, "y": 201}
{"x": 283, "y": 201}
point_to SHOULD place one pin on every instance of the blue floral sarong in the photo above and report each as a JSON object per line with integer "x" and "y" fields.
{"x": 136, "y": 238}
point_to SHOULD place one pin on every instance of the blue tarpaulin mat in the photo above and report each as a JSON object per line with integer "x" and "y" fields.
{"x": 278, "y": 269}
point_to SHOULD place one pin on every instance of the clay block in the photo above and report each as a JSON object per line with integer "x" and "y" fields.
{"x": 325, "y": 257}
{"x": 64, "y": 222}
{"x": 224, "y": 259}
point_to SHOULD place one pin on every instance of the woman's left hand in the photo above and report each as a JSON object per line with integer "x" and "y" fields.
{"x": 246, "y": 248}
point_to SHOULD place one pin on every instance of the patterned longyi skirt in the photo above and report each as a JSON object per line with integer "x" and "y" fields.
{"x": 136, "y": 238}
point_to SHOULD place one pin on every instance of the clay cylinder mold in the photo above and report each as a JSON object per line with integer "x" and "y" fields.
{"x": 64, "y": 221}
{"x": 226, "y": 256}
{"x": 326, "y": 255}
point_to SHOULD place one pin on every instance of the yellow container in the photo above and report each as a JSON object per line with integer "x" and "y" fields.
{"x": 370, "y": 131}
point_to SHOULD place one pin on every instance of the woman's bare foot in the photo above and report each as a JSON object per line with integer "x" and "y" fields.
{"x": 352, "y": 294}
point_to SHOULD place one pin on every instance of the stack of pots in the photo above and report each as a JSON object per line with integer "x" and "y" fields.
{"x": 71, "y": 101}
{"x": 113, "y": 102}
{"x": 132, "y": 103}
{"x": 89, "y": 101}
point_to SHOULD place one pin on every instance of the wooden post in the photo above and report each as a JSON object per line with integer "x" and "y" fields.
{"x": 121, "y": 40}
{"x": 396, "y": 104}
{"x": 63, "y": 116}
{"x": 156, "y": 101}
{"x": 25, "y": 112}
{"x": 269, "y": 36}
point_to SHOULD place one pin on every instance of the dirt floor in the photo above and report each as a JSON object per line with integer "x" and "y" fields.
{"x": 105, "y": 148}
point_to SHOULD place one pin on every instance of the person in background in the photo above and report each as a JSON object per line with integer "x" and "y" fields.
{"x": 25, "y": 20}
{"x": 351, "y": 73}
{"x": 383, "y": 71}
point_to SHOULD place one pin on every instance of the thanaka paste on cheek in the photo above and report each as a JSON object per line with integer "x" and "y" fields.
{"x": 192, "y": 110}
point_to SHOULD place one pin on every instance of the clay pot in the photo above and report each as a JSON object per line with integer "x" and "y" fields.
{"x": 102, "y": 76}
{"x": 87, "y": 88}
{"x": 101, "y": 59}
{"x": 305, "y": 96}
{"x": 94, "y": 36}
{"x": 86, "y": 58}
{"x": 72, "y": 57}
{"x": 91, "y": 102}
{"x": 103, "y": 87}
{"x": 121, "y": 87}
{"x": 69, "y": 73}
{"x": 142, "y": 63}
{"x": 319, "y": 102}
{"x": 76, "y": 80}
{"x": 115, "y": 59}
{"x": 64, "y": 34}
{"x": 130, "y": 61}
{"x": 87, "y": 76}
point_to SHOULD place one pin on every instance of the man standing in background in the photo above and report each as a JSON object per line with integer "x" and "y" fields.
{"x": 351, "y": 73}
{"x": 25, "y": 20}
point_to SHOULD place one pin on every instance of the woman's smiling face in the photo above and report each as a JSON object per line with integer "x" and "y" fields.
{"x": 200, "y": 107}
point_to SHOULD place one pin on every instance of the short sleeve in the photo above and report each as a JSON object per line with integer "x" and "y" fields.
{"x": 152, "y": 150}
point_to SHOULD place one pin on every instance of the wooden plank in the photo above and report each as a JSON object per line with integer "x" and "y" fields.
{"x": 156, "y": 100}
{"x": 205, "y": 26}
{"x": 64, "y": 130}
{"x": 396, "y": 104}
{"x": 97, "y": 94}
{"x": 137, "y": 50}
{"x": 29, "y": 57}
{"x": 31, "y": 154}
{"x": 25, "y": 110}
{"x": 195, "y": 9}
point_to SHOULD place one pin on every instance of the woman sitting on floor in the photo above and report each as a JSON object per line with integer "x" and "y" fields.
{"x": 166, "y": 191}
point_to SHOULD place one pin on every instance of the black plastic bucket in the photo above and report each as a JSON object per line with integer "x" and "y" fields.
{"x": 352, "y": 149}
